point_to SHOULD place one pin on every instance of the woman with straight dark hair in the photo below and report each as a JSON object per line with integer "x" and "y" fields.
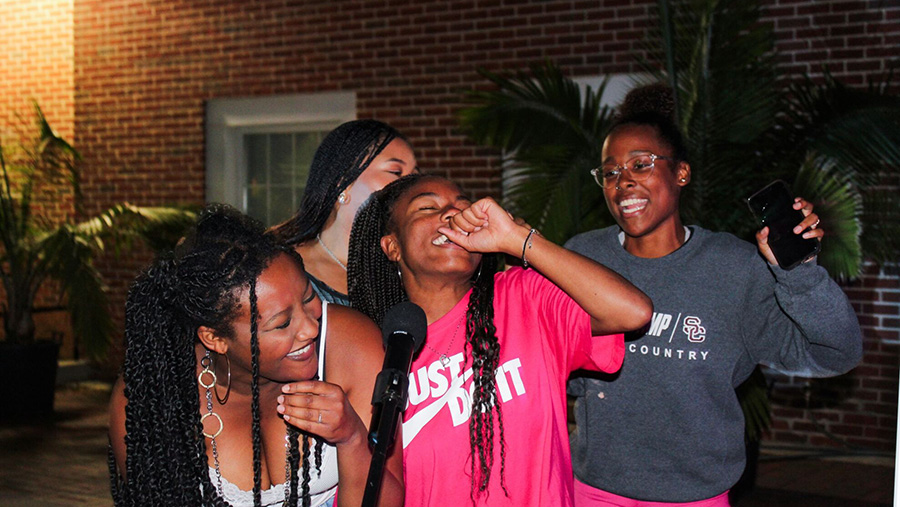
{"x": 354, "y": 160}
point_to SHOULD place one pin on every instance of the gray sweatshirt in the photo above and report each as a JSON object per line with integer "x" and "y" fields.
{"x": 668, "y": 426}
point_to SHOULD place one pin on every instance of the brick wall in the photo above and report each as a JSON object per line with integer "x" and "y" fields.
{"x": 148, "y": 69}
{"x": 143, "y": 71}
{"x": 36, "y": 63}
{"x": 854, "y": 38}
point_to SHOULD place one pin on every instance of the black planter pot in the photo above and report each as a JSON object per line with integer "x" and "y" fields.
{"x": 27, "y": 378}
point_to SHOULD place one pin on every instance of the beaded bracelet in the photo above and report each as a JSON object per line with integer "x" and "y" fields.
{"x": 527, "y": 245}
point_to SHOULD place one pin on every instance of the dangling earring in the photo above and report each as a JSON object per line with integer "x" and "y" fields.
{"x": 480, "y": 267}
{"x": 342, "y": 198}
{"x": 222, "y": 400}
{"x": 399, "y": 274}
{"x": 205, "y": 362}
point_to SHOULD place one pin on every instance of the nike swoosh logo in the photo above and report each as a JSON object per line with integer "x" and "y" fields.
{"x": 414, "y": 424}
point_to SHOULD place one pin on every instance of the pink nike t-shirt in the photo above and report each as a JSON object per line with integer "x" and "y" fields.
{"x": 544, "y": 335}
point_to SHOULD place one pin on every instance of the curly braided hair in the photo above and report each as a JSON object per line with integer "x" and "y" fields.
{"x": 374, "y": 286}
{"x": 343, "y": 155}
{"x": 198, "y": 284}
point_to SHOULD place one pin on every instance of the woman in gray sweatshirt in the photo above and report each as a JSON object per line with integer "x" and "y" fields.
{"x": 668, "y": 427}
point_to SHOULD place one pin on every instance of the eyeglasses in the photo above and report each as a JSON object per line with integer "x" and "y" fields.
{"x": 640, "y": 167}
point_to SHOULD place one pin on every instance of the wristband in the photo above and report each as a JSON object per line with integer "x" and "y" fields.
{"x": 526, "y": 246}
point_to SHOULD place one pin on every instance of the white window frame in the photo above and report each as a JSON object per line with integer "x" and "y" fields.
{"x": 228, "y": 119}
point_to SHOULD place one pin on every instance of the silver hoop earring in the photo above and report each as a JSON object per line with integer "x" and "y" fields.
{"x": 222, "y": 400}
{"x": 342, "y": 198}
{"x": 478, "y": 275}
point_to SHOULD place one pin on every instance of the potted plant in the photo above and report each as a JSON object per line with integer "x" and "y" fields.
{"x": 55, "y": 254}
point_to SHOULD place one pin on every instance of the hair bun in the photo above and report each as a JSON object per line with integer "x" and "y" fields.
{"x": 653, "y": 99}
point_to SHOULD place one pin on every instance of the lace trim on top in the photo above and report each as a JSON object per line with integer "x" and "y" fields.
{"x": 237, "y": 497}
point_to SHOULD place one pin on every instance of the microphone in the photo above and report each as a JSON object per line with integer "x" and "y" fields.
{"x": 403, "y": 330}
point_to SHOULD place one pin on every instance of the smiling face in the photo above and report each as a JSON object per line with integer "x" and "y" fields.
{"x": 413, "y": 239}
{"x": 642, "y": 208}
{"x": 288, "y": 328}
{"x": 395, "y": 160}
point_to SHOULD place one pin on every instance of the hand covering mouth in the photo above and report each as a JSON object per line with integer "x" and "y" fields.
{"x": 440, "y": 240}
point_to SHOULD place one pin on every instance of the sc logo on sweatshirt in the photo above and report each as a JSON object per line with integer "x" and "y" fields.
{"x": 694, "y": 331}
{"x": 691, "y": 326}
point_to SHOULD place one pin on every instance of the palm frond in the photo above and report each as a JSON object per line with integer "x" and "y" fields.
{"x": 65, "y": 253}
{"x": 552, "y": 135}
{"x": 859, "y": 129}
{"x": 531, "y": 109}
{"x": 159, "y": 227}
{"x": 67, "y": 256}
{"x": 839, "y": 205}
{"x": 552, "y": 189}
{"x": 53, "y": 157}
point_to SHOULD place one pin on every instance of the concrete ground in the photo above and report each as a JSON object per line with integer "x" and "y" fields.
{"x": 61, "y": 461}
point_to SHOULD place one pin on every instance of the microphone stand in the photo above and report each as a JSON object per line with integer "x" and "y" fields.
{"x": 387, "y": 413}
{"x": 403, "y": 331}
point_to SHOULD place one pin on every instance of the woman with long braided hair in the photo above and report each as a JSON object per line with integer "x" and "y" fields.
{"x": 240, "y": 387}
{"x": 487, "y": 399}
{"x": 354, "y": 160}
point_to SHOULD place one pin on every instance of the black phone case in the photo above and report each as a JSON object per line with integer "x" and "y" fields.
{"x": 773, "y": 207}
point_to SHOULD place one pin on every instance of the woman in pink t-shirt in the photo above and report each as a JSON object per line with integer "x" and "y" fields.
{"x": 491, "y": 390}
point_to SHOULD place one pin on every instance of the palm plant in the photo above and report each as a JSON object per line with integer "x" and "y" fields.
{"x": 37, "y": 249}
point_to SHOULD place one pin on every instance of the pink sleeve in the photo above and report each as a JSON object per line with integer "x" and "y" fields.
{"x": 568, "y": 323}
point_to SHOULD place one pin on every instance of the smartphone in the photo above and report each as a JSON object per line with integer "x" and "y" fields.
{"x": 773, "y": 207}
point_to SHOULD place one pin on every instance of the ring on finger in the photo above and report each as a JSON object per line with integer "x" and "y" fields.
{"x": 320, "y": 417}
{"x": 813, "y": 226}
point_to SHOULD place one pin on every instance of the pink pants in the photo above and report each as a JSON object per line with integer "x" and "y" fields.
{"x": 586, "y": 496}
